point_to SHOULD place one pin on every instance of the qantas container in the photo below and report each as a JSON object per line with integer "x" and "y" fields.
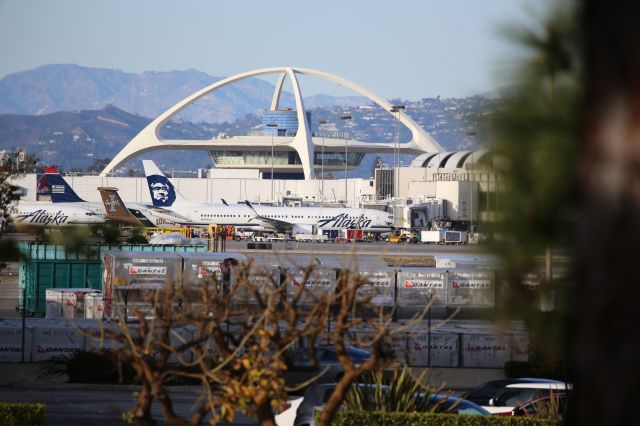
{"x": 66, "y": 302}
{"x": 444, "y": 349}
{"x": 94, "y": 305}
{"x": 207, "y": 268}
{"x": 320, "y": 281}
{"x": 53, "y": 339}
{"x": 130, "y": 278}
{"x": 263, "y": 275}
{"x": 519, "y": 347}
{"x": 471, "y": 288}
{"x": 380, "y": 279}
{"x": 11, "y": 342}
{"x": 417, "y": 286}
{"x": 485, "y": 350}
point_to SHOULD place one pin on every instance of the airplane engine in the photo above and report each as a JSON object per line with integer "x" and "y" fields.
{"x": 303, "y": 229}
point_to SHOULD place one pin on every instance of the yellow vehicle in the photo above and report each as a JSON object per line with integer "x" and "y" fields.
{"x": 399, "y": 236}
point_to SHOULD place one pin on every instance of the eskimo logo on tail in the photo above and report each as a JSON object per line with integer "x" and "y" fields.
{"x": 162, "y": 192}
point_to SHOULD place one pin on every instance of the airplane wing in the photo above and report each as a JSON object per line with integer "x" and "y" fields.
{"x": 278, "y": 224}
{"x": 169, "y": 215}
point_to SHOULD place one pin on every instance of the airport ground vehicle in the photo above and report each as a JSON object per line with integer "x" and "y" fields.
{"x": 276, "y": 237}
{"x": 311, "y": 238}
{"x": 443, "y": 237}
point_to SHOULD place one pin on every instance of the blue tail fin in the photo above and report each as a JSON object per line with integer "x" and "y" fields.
{"x": 163, "y": 193}
{"x": 59, "y": 189}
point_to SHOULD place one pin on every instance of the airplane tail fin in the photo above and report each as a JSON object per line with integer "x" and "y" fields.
{"x": 115, "y": 208}
{"x": 163, "y": 193}
{"x": 60, "y": 191}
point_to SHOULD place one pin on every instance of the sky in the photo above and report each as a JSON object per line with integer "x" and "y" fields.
{"x": 407, "y": 49}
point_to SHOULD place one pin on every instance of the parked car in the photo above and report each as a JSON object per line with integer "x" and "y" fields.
{"x": 548, "y": 407}
{"x": 316, "y": 396}
{"x": 287, "y": 416}
{"x": 442, "y": 403}
{"x": 301, "y": 369}
{"x": 482, "y": 394}
{"x": 515, "y": 395}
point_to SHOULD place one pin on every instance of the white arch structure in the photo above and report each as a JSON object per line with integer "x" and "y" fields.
{"x": 149, "y": 138}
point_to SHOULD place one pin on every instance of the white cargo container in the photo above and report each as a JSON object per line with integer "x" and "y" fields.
{"x": 312, "y": 238}
{"x": 519, "y": 347}
{"x": 485, "y": 350}
{"x": 53, "y": 301}
{"x": 11, "y": 342}
{"x": 418, "y": 286}
{"x": 65, "y": 302}
{"x": 94, "y": 305}
{"x": 54, "y": 339}
{"x": 431, "y": 237}
{"x": 444, "y": 349}
{"x": 443, "y": 237}
{"x": 130, "y": 278}
{"x": 470, "y": 288}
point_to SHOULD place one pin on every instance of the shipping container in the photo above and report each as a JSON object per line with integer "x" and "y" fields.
{"x": 66, "y": 302}
{"x": 485, "y": 350}
{"x": 433, "y": 349}
{"x": 469, "y": 288}
{"x": 207, "y": 268}
{"x": 319, "y": 281}
{"x": 54, "y": 339}
{"x": 129, "y": 279}
{"x": 519, "y": 347}
{"x": 262, "y": 274}
{"x": 11, "y": 342}
{"x": 94, "y": 305}
{"x": 44, "y": 266}
{"x": 418, "y": 286}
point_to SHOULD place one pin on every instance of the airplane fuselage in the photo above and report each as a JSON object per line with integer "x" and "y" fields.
{"x": 43, "y": 214}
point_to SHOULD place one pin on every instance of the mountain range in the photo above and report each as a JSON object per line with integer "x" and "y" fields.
{"x": 78, "y": 118}
{"x": 63, "y": 87}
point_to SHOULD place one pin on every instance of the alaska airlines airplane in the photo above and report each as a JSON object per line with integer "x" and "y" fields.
{"x": 62, "y": 194}
{"x": 297, "y": 220}
{"x": 48, "y": 215}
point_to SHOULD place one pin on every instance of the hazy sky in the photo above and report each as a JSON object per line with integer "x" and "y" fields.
{"x": 409, "y": 49}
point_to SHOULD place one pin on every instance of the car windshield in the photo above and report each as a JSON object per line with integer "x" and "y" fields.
{"x": 514, "y": 397}
{"x": 454, "y": 405}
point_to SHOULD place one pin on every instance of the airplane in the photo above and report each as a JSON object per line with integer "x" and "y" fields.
{"x": 49, "y": 215}
{"x": 297, "y": 220}
{"x": 62, "y": 193}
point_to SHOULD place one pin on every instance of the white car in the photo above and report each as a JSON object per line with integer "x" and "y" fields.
{"x": 518, "y": 394}
{"x": 288, "y": 415}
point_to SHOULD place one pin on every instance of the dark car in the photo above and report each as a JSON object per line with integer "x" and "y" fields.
{"x": 482, "y": 394}
{"x": 440, "y": 403}
{"x": 301, "y": 369}
{"x": 548, "y": 407}
{"x": 317, "y": 396}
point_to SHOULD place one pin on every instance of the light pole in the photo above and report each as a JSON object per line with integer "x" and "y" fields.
{"x": 346, "y": 116}
{"x": 322, "y": 124}
{"x": 273, "y": 126}
{"x": 396, "y": 150}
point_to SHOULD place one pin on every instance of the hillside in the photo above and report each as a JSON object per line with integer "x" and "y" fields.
{"x": 68, "y": 87}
